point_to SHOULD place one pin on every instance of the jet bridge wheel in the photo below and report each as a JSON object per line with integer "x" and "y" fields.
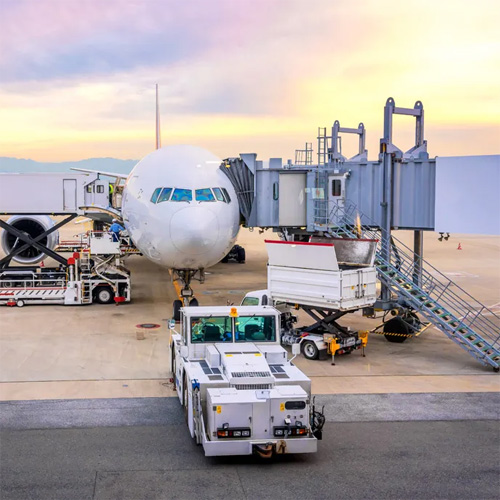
{"x": 397, "y": 330}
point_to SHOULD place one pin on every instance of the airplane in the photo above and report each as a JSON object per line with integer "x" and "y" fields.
{"x": 180, "y": 211}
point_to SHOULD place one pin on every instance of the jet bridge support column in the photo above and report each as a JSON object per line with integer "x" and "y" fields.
{"x": 389, "y": 153}
{"x": 418, "y": 252}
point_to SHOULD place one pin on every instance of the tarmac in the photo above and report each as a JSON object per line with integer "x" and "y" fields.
{"x": 96, "y": 351}
{"x": 87, "y": 409}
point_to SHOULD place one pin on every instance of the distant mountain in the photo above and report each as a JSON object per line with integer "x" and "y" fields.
{"x": 106, "y": 164}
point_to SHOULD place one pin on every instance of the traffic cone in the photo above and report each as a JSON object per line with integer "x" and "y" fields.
{"x": 459, "y": 246}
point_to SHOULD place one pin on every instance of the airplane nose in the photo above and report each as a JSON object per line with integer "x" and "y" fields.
{"x": 194, "y": 230}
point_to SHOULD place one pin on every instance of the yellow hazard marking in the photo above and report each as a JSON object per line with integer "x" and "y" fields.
{"x": 229, "y": 355}
{"x": 219, "y": 409}
{"x": 282, "y": 406}
{"x": 177, "y": 287}
{"x": 258, "y": 354}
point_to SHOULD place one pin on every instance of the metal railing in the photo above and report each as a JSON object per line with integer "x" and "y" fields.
{"x": 462, "y": 317}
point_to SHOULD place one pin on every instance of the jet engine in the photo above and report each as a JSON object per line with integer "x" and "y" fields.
{"x": 33, "y": 225}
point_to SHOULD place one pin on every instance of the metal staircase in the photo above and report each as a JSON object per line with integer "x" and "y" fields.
{"x": 441, "y": 301}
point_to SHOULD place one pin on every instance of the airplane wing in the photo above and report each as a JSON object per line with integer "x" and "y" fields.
{"x": 108, "y": 174}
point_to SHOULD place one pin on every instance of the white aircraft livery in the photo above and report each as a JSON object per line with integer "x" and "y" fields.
{"x": 179, "y": 209}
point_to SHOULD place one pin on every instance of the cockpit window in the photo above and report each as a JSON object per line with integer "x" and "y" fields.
{"x": 155, "y": 195}
{"x": 218, "y": 194}
{"x": 204, "y": 195}
{"x": 165, "y": 195}
{"x": 226, "y": 195}
{"x": 182, "y": 195}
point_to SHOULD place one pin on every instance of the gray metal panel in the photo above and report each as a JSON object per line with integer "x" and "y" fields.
{"x": 292, "y": 199}
{"x": 43, "y": 192}
{"x": 266, "y": 207}
{"x": 364, "y": 189}
{"x": 413, "y": 195}
{"x": 468, "y": 194}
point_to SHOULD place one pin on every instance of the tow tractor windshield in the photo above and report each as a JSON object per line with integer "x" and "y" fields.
{"x": 245, "y": 328}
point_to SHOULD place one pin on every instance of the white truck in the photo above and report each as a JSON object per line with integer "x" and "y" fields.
{"x": 327, "y": 280}
{"x": 240, "y": 393}
{"x": 94, "y": 273}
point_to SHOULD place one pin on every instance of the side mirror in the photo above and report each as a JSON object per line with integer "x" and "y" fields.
{"x": 296, "y": 349}
{"x": 171, "y": 324}
{"x": 184, "y": 351}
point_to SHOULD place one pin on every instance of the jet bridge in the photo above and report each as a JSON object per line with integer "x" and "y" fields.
{"x": 34, "y": 198}
{"x": 358, "y": 198}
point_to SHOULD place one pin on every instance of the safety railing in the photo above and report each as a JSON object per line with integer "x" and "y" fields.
{"x": 434, "y": 294}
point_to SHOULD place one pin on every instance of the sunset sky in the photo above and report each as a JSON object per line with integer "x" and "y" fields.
{"x": 77, "y": 76}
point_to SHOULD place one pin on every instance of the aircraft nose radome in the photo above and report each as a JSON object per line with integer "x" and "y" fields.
{"x": 194, "y": 230}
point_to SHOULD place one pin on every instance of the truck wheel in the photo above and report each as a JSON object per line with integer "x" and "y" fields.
{"x": 177, "y": 310}
{"x": 241, "y": 255}
{"x": 103, "y": 295}
{"x": 396, "y": 325}
{"x": 310, "y": 350}
{"x": 20, "y": 303}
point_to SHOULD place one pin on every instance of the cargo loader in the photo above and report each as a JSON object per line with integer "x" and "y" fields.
{"x": 327, "y": 279}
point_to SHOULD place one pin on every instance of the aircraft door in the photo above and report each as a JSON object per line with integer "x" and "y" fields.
{"x": 69, "y": 194}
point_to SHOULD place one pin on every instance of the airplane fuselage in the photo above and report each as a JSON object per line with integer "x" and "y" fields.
{"x": 179, "y": 208}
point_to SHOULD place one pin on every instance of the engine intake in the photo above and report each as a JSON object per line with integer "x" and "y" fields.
{"x": 33, "y": 225}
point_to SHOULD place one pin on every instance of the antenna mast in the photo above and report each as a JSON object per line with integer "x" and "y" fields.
{"x": 158, "y": 132}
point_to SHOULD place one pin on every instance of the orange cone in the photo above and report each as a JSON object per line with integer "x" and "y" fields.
{"x": 459, "y": 246}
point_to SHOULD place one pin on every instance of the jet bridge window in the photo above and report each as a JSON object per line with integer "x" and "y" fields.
{"x": 336, "y": 187}
{"x": 212, "y": 329}
{"x": 204, "y": 195}
{"x": 255, "y": 329}
{"x": 182, "y": 195}
{"x": 218, "y": 194}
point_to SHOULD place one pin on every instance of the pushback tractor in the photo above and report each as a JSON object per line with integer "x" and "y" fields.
{"x": 240, "y": 393}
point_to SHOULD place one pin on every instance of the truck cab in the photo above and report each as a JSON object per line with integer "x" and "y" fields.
{"x": 240, "y": 393}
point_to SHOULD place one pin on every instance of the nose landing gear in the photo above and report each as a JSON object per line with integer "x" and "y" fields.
{"x": 186, "y": 293}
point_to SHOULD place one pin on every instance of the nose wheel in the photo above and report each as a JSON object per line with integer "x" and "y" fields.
{"x": 185, "y": 293}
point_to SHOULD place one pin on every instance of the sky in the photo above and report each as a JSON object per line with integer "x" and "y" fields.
{"x": 77, "y": 77}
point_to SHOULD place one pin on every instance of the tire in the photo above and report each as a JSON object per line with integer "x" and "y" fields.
{"x": 177, "y": 310}
{"x": 310, "y": 350}
{"x": 20, "y": 303}
{"x": 103, "y": 295}
{"x": 225, "y": 259}
{"x": 193, "y": 302}
{"x": 241, "y": 255}
{"x": 396, "y": 325}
